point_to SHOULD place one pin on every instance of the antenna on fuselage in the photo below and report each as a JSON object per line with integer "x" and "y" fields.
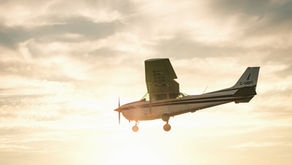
{"x": 205, "y": 89}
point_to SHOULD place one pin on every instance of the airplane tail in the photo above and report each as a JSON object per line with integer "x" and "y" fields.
{"x": 246, "y": 85}
{"x": 248, "y": 78}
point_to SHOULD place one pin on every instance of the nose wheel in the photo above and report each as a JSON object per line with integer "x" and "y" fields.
{"x": 135, "y": 128}
{"x": 167, "y": 127}
{"x": 165, "y": 117}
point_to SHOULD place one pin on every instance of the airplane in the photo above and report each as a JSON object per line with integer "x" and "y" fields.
{"x": 165, "y": 99}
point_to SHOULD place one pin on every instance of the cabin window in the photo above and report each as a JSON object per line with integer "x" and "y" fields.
{"x": 160, "y": 96}
{"x": 173, "y": 95}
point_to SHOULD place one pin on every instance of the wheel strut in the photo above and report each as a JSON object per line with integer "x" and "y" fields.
{"x": 135, "y": 128}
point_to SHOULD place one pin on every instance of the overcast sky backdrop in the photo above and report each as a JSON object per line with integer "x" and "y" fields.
{"x": 64, "y": 63}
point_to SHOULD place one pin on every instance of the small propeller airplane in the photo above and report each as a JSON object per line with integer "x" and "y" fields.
{"x": 165, "y": 99}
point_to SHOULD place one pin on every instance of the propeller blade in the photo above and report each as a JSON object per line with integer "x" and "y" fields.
{"x": 118, "y": 109}
{"x": 119, "y": 117}
{"x": 119, "y": 103}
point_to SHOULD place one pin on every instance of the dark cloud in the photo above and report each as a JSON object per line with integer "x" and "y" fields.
{"x": 260, "y": 17}
{"x": 276, "y": 11}
{"x": 11, "y": 36}
{"x": 181, "y": 46}
{"x": 79, "y": 25}
{"x": 249, "y": 7}
{"x": 281, "y": 12}
{"x": 84, "y": 27}
{"x": 123, "y": 6}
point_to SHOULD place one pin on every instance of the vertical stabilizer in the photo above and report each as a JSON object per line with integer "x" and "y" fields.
{"x": 246, "y": 85}
{"x": 249, "y": 78}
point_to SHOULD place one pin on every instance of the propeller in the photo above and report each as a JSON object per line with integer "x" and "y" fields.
{"x": 118, "y": 110}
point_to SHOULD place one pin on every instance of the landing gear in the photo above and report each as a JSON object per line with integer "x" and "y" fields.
{"x": 135, "y": 128}
{"x": 167, "y": 127}
{"x": 165, "y": 117}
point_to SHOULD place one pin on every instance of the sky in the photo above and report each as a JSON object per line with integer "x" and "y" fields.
{"x": 63, "y": 65}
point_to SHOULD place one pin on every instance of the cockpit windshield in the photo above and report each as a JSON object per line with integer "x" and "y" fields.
{"x": 182, "y": 94}
{"x": 145, "y": 97}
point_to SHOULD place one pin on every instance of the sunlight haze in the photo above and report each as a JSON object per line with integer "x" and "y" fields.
{"x": 64, "y": 64}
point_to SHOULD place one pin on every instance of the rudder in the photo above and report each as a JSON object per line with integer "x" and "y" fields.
{"x": 249, "y": 78}
{"x": 246, "y": 85}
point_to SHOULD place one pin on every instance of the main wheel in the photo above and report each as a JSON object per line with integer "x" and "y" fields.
{"x": 135, "y": 128}
{"x": 166, "y": 127}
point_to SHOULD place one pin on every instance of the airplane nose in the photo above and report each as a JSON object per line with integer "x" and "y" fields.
{"x": 117, "y": 110}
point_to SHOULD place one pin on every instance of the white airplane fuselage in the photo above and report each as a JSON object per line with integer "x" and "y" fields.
{"x": 167, "y": 101}
{"x": 143, "y": 110}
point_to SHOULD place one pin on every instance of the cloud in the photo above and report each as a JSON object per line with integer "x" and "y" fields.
{"x": 63, "y": 64}
{"x": 79, "y": 28}
{"x": 260, "y": 18}
{"x": 30, "y": 13}
{"x": 182, "y": 46}
{"x": 253, "y": 144}
{"x": 248, "y": 7}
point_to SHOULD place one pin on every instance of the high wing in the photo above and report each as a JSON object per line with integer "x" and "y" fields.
{"x": 160, "y": 79}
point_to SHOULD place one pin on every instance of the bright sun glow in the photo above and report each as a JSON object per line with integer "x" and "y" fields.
{"x": 133, "y": 155}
